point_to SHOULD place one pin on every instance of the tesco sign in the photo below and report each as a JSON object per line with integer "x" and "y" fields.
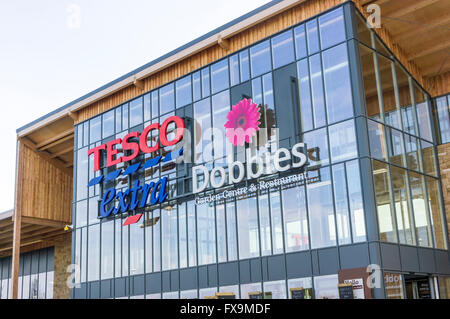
{"x": 135, "y": 147}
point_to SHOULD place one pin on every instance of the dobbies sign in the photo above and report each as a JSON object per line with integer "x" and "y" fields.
{"x": 135, "y": 143}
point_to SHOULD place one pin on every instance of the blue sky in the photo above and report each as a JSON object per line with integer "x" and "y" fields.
{"x": 52, "y": 52}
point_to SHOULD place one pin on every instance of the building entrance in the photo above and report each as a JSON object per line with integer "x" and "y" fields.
{"x": 418, "y": 287}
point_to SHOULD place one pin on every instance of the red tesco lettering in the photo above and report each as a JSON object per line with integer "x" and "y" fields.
{"x": 135, "y": 147}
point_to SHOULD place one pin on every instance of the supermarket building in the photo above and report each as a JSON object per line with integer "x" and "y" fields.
{"x": 367, "y": 108}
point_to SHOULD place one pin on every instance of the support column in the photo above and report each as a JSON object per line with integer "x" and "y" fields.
{"x": 17, "y": 217}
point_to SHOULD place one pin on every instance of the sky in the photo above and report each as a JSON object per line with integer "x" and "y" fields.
{"x": 54, "y": 51}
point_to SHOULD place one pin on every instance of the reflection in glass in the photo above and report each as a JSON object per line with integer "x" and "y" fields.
{"x": 383, "y": 195}
{"x": 245, "y": 72}
{"x": 184, "y": 91}
{"x": 264, "y": 224}
{"x": 148, "y": 242}
{"x": 197, "y": 89}
{"x": 221, "y": 107}
{"x": 108, "y": 124}
{"x": 429, "y": 158}
{"x": 403, "y": 207}
{"x": 206, "y": 234}
{"x": 221, "y": 234}
{"x": 442, "y": 108}
{"x": 320, "y": 209}
{"x": 315, "y": 69}
{"x": 82, "y": 173}
{"x": 182, "y": 229}
{"x": 231, "y": 231}
{"x": 326, "y": 287}
{"x": 423, "y": 115}
{"x": 396, "y": 150}
{"x": 93, "y": 253}
{"x": 136, "y": 112}
{"x": 107, "y": 259}
{"x": 166, "y": 97}
{"x": 219, "y": 76}
{"x": 276, "y": 288}
{"x": 338, "y": 91}
{"x": 332, "y": 28}
{"x": 317, "y": 144}
{"x": 95, "y": 129}
{"x": 436, "y": 214}
{"x": 295, "y": 219}
{"x": 247, "y": 220}
{"x": 260, "y": 58}
{"x": 81, "y": 216}
{"x": 340, "y": 199}
{"x": 282, "y": 49}
{"x": 234, "y": 69}
{"x": 388, "y": 95}
{"x": 313, "y": 36}
{"x": 372, "y": 95}
{"x": 305, "y": 95}
{"x": 356, "y": 201}
{"x": 376, "y": 140}
{"x": 343, "y": 141}
{"x": 169, "y": 231}
{"x": 300, "y": 41}
{"x": 202, "y": 116}
{"x": 277, "y": 223}
{"x": 412, "y": 155}
{"x": 137, "y": 247}
{"x": 192, "y": 234}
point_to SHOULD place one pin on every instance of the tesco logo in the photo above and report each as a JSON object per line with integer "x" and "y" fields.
{"x": 137, "y": 147}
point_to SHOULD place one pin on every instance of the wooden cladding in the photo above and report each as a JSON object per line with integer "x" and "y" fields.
{"x": 46, "y": 190}
{"x": 258, "y": 32}
{"x": 439, "y": 85}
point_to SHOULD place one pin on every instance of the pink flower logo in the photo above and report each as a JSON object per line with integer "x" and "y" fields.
{"x": 242, "y": 122}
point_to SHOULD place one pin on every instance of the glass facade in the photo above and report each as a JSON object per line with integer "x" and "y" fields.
{"x": 36, "y": 275}
{"x": 303, "y": 79}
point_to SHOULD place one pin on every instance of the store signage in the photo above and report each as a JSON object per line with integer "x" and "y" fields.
{"x": 281, "y": 161}
{"x": 128, "y": 199}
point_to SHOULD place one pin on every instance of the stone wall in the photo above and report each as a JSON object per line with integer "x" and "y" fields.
{"x": 63, "y": 251}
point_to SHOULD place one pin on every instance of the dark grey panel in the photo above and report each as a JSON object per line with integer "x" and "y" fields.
{"x": 138, "y": 287}
{"x": 328, "y": 261}
{"x": 354, "y": 256}
{"x": 442, "y": 262}
{"x": 174, "y": 280}
{"x": 228, "y": 274}
{"x": 240, "y": 91}
{"x": 153, "y": 283}
{"x": 390, "y": 256}
{"x": 43, "y": 260}
{"x": 315, "y": 263}
{"x": 203, "y": 277}
{"x": 287, "y": 106}
{"x": 298, "y": 265}
{"x": 94, "y": 290}
{"x": 80, "y": 293}
{"x": 166, "y": 281}
{"x": 188, "y": 279}
{"x": 244, "y": 271}
{"x": 35, "y": 262}
{"x": 26, "y": 264}
{"x": 409, "y": 258}
{"x": 255, "y": 270}
{"x": 265, "y": 269}
{"x": 106, "y": 288}
{"x": 374, "y": 253}
{"x": 120, "y": 287}
{"x": 426, "y": 260}
{"x": 277, "y": 267}
{"x": 212, "y": 276}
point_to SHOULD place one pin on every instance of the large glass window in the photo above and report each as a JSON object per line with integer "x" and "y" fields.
{"x": 221, "y": 234}
{"x": 107, "y": 259}
{"x": 315, "y": 70}
{"x": 340, "y": 199}
{"x": 264, "y": 224}
{"x": 442, "y": 108}
{"x": 326, "y": 287}
{"x": 247, "y": 221}
{"x": 305, "y": 96}
{"x": 317, "y": 144}
{"x": 206, "y": 233}
{"x": 295, "y": 219}
{"x": 93, "y": 252}
{"x": 282, "y": 49}
{"x": 356, "y": 201}
{"x": 167, "y": 100}
{"x": 320, "y": 209}
{"x": 136, "y": 112}
{"x": 376, "y": 140}
{"x": 219, "y": 76}
{"x": 300, "y": 41}
{"x": 343, "y": 141}
{"x": 260, "y": 58}
{"x": 231, "y": 231}
{"x": 182, "y": 229}
{"x": 137, "y": 247}
{"x": 108, "y": 124}
{"x": 332, "y": 28}
{"x": 437, "y": 217}
{"x": 338, "y": 91}
{"x": 403, "y": 207}
{"x": 184, "y": 91}
{"x": 169, "y": 231}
